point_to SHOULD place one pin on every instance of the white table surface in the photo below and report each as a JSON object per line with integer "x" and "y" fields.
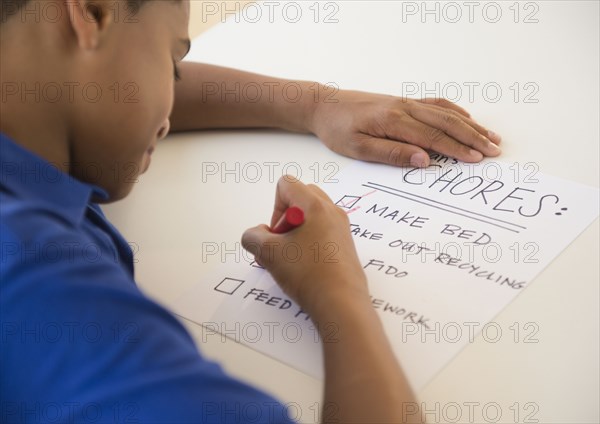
{"x": 378, "y": 46}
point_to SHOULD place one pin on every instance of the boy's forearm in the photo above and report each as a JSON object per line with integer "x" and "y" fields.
{"x": 210, "y": 96}
{"x": 363, "y": 381}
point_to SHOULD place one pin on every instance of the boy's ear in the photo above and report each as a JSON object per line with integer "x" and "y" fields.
{"x": 89, "y": 20}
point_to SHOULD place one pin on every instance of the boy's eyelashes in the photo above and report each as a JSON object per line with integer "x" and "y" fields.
{"x": 176, "y": 73}
{"x": 186, "y": 44}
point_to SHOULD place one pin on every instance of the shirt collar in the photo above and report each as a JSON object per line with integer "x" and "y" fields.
{"x": 31, "y": 177}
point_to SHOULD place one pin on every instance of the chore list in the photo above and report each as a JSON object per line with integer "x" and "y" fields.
{"x": 445, "y": 249}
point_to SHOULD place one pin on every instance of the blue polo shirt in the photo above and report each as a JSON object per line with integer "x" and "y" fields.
{"x": 79, "y": 341}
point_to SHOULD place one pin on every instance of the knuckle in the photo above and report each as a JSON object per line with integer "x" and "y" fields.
{"x": 434, "y": 136}
{"x": 411, "y": 107}
{"x": 451, "y": 120}
{"x": 389, "y": 114}
{"x": 315, "y": 204}
{"x": 396, "y": 155}
{"x": 402, "y": 119}
{"x": 401, "y": 103}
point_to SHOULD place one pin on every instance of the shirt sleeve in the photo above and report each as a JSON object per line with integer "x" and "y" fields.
{"x": 81, "y": 343}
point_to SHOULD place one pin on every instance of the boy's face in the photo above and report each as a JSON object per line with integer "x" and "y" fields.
{"x": 132, "y": 62}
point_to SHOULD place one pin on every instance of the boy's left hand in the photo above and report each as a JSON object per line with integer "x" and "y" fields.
{"x": 398, "y": 131}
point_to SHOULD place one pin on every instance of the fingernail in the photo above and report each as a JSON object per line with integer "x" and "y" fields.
{"x": 494, "y": 137}
{"x": 418, "y": 160}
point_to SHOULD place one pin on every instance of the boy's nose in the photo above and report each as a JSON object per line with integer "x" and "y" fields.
{"x": 164, "y": 129}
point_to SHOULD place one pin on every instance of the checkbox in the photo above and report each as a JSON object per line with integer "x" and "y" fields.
{"x": 348, "y": 202}
{"x": 229, "y": 285}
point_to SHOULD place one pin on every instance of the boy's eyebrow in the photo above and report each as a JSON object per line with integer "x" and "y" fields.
{"x": 188, "y": 45}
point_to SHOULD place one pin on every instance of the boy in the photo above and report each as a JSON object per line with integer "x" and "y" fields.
{"x": 79, "y": 340}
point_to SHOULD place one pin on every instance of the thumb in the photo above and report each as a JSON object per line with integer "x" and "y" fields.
{"x": 257, "y": 240}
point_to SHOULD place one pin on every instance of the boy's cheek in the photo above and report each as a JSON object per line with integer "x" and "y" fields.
{"x": 123, "y": 126}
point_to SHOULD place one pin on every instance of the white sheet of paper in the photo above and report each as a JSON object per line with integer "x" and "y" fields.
{"x": 445, "y": 249}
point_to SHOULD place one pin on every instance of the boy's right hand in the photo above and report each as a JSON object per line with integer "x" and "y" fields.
{"x": 316, "y": 265}
{"x": 313, "y": 262}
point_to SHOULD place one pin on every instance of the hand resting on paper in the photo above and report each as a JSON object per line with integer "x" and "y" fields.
{"x": 398, "y": 131}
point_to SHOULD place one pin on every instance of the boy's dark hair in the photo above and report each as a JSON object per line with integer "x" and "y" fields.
{"x": 11, "y": 7}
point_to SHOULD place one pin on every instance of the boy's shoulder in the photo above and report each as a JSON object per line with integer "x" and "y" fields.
{"x": 31, "y": 185}
{"x": 40, "y": 243}
{"x": 25, "y": 219}
{"x": 48, "y": 222}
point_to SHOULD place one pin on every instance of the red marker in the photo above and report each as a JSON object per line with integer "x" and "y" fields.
{"x": 293, "y": 217}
